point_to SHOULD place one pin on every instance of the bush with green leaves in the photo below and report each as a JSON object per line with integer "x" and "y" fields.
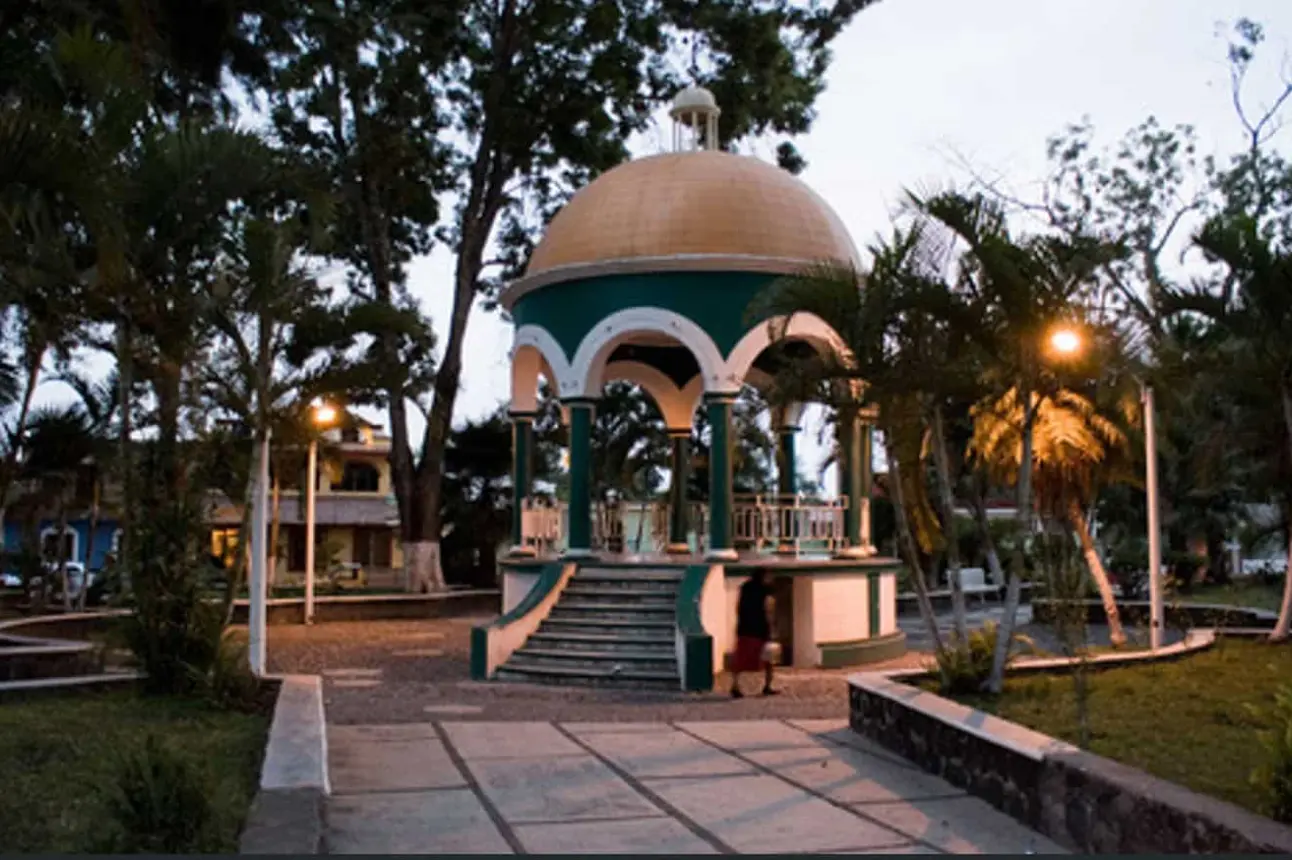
{"x": 965, "y": 664}
{"x": 1274, "y": 777}
{"x": 174, "y": 631}
{"x": 158, "y": 802}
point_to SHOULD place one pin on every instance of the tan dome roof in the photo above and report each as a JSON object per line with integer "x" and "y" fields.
{"x": 702, "y": 210}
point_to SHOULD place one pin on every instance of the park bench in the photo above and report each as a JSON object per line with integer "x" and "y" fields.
{"x": 973, "y": 582}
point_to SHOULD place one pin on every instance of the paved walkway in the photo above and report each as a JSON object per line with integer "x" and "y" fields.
{"x": 746, "y": 787}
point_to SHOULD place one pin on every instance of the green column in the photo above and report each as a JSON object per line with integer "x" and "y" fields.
{"x": 850, "y": 485}
{"x": 787, "y": 478}
{"x": 522, "y": 458}
{"x": 580, "y": 536}
{"x": 867, "y": 475}
{"x": 718, "y": 408}
{"x": 787, "y": 481}
{"x": 678, "y": 525}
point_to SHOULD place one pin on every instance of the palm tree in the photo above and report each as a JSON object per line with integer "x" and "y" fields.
{"x": 867, "y": 313}
{"x": 1016, "y": 289}
{"x": 1072, "y": 442}
{"x": 1251, "y": 312}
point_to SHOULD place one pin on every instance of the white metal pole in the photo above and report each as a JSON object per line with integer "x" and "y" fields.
{"x": 259, "y": 515}
{"x": 311, "y": 477}
{"x": 1154, "y": 526}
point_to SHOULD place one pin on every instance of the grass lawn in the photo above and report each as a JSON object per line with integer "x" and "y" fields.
{"x": 58, "y": 754}
{"x": 1187, "y": 721}
{"x": 1247, "y": 593}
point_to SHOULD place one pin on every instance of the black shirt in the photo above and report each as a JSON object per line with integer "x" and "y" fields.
{"x": 751, "y": 611}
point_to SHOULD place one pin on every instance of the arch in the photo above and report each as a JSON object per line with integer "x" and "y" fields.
{"x": 673, "y": 403}
{"x": 800, "y": 326}
{"x": 597, "y": 345}
{"x": 535, "y": 352}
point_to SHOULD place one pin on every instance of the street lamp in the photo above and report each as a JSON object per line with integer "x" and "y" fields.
{"x": 1067, "y": 341}
{"x": 323, "y": 415}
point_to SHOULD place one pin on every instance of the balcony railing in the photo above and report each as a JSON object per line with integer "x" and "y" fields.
{"x": 795, "y": 525}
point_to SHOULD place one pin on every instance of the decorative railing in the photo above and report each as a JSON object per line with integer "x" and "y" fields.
{"x": 789, "y": 524}
{"x": 761, "y": 523}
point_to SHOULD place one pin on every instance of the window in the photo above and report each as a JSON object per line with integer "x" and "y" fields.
{"x": 224, "y": 545}
{"x": 359, "y": 478}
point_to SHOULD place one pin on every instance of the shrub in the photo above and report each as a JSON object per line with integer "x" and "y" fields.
{"x": 230, "y": 683}
{"x": 1274, "y": 778}
{"x": 965, "y": 665}
{"x": 158, "y": 803}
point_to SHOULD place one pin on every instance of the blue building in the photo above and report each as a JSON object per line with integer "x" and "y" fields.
{"x": 78, "y": 545}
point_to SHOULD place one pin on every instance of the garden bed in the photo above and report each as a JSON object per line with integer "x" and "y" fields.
{"x": 59, "y": 755}
{"x": 1192, "y": 721}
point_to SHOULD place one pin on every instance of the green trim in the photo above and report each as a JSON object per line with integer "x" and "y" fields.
{"x": 696, "y": 659}
{"x": 873, "y": 605}
{"x": 720, "y": 472}
{"x": 548, "y": 580}
{"x": 715, "y": 301}
{"x": 787, "y": 477}
{"x": 678, "y": 527}
{"x": 580, "y": 511}
{"x": 836, "y": 655}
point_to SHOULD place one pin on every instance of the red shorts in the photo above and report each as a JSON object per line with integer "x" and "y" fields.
{"x": 748, "y": 656}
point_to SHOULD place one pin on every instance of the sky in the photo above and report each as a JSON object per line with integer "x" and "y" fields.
{"x": 919, "y": 87}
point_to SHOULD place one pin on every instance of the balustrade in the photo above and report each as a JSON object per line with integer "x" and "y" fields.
{"x": 792, "y": 524}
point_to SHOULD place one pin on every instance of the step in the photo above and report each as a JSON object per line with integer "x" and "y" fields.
{"x": 592, "y": 661}
{"x": 585, "y": 605}
{"x": 626, "y": 628}
{"x": 596, "y": 654}
{"x": 572, "y": 596}
{"x": 622, "y": 639}
{"x": 589, "y": 677}
{"x": 626, "y": 574}
{"x": 622, "y": 587}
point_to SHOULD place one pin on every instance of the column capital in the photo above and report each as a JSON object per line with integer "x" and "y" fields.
{"x": 678, "y": 432}
{"x": 571, "y": 402}
{"x": 727, "y": 397}
{"x": 522, "y": 415}
{"x": 786, "y": 429}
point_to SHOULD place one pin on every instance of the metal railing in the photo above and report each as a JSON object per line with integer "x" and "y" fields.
{"x": 762, "y": 523}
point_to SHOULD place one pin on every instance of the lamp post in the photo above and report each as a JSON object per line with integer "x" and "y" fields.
{"x": 1066, "y": 341}
{"x": 323, "y": 415}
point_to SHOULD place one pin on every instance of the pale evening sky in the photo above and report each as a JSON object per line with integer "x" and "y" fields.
{"x": 916, "y": 85}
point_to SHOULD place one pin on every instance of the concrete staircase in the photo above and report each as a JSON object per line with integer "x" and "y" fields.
{"x": 610, "y": 627}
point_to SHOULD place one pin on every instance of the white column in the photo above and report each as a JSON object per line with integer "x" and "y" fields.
{"x": 1154, "y": 526}
{"x": 311, "y": 477}
{"x": 259, "y": 527}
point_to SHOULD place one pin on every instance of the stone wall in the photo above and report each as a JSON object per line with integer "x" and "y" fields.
{"x": 1083, "y": 801}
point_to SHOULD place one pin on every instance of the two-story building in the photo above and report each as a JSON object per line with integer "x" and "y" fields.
{"x": 355, "y": 514}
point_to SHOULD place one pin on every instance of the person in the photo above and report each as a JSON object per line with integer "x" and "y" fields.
{"x": 754, "y": 624}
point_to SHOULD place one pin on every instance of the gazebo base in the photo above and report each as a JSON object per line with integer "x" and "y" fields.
{"x": 668, "y": 621}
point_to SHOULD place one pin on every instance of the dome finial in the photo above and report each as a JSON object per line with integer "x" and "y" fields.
{"x": 695, "y": 115}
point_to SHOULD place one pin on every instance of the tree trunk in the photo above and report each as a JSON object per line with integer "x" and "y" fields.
{"x": 907, "y": 543}
{"x": 89, "y": 552}
{"x": 1097, "y": 572}
{"x": 1014, "y": 584}
{"x": 984, "y": 530}
{"x": 125, "y": 462}
{"x": 62, "y": 552}
{"x": 946, "y": 501}
{"x": 271, "y": 573}
{"x": 1283, "y": 626}
{"x": 10, "y": 466}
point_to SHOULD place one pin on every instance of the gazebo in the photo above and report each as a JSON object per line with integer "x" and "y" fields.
{"x": 646, "y": 276}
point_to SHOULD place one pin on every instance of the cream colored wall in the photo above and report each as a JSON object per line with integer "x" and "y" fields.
{"x": 887, "y": 604}
{"x": 515, "y": 585}
{"x": 840, "y": 611}
{"x": 805, "y": 651}
{"x": 714, "y": 616}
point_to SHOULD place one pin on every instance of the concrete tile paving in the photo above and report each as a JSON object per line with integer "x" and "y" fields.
{"x": 756, "y": 786}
